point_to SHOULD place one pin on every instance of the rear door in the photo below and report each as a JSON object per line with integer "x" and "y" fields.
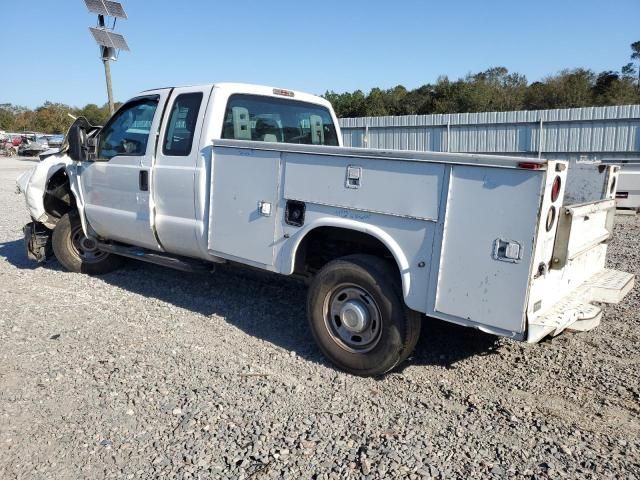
{"x": 174, "y": 170}
{"x": 116, "y": 186}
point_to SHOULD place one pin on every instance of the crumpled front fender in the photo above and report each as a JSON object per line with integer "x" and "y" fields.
{"x": 33, "y": 185}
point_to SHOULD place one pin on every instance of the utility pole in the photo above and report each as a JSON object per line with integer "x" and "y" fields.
{"x": 108, "y": 41}
{"x": 107, "y": 74}
{"x": 106, "y": 56}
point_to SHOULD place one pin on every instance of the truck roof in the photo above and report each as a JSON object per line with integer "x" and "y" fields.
{"x": 264, "y": 90}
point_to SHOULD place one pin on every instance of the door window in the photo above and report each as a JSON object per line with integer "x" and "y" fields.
{"x": 268, "y": 119}
{"x": 127, "y": 133}
{"x": 182, "y": 124}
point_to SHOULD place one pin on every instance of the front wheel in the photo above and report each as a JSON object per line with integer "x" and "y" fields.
{"x": 358, "y": 316}
{"x": 76, "y": 252}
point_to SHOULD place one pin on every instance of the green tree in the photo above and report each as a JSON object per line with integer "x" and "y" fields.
{"x": 376, "y": 104}
{"x": 7, "y": 120}
{"x": 395, "y": 100}
{"x": 628, "y": 71}
{"x": 450, "y": 97}
{"x": 613, "y": 89}
{"x": 94, "y": 114}
{"x": 52, "y": 118}
{"x": 419, "y": 101}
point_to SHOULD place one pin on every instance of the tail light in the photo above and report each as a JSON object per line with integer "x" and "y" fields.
{"x": 555, "y": 189}
{"x": 531, "y": 165}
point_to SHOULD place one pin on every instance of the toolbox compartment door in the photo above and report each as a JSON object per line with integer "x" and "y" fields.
{"x": 244, "y": 203}
{"x": 486, "y": 205}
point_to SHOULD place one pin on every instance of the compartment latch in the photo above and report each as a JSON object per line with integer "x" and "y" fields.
{"x": 507, "y": 250}
{"x": 354, "y": 175}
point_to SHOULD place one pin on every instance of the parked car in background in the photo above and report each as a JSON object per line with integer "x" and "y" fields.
{"x": 54, "y": 141}
{"x": 6, "y": 147}
{"x": 16, "y": 139}
{"x": 33, "y": 145}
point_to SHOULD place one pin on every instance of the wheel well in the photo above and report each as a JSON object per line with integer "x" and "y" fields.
{"x": 324, "y": 244}
{"x": 58, "y": 198}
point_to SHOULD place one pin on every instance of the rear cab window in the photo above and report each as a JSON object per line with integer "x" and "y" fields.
{"x": 268, "y": 119}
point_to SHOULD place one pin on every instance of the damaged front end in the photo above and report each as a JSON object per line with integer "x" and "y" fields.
{"x": 48, "y": 196}
{"x": 40, "y": 187}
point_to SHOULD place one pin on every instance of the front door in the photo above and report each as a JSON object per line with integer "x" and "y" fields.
{"x": 116, "y": 185}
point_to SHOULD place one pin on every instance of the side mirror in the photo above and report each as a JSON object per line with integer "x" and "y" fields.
{"x": 81, "y": 147}
{"x": 77, "y": 138}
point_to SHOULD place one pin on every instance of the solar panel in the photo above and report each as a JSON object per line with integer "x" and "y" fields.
{"x": 115, "y": 9}
{"x": 96, "y": 6}
{"x": 106, "y": 7}
{"x": 109, "y": 39}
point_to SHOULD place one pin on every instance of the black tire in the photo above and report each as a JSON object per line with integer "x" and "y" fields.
{"x": 70, "y": 253}
{"x": 393, "y": 329}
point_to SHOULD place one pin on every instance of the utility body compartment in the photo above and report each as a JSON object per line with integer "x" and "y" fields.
{"x": 471, "y": 234}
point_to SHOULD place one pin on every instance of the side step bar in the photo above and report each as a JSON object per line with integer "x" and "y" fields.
{"x": 178, "y": 263}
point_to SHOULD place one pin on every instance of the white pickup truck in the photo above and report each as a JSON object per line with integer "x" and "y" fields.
{"x": 193, "y": 176}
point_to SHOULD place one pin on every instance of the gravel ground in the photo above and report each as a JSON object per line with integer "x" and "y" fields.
{"x": 151, "y": 373}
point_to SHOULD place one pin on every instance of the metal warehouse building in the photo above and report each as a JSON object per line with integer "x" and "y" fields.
{"x": 583, "y": 136}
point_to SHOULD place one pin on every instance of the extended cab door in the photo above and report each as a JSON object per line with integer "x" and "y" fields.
{"x": 174, "y": 170}
{"x": 116, "y": 186}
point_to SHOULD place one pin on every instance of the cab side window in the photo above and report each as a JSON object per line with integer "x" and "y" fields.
{"x": 127, "y": 133}
{"x": 180, "y": 132}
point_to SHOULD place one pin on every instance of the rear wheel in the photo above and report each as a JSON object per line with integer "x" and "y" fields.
{"x": 358, "y": 316}
{"x": 76, "y": 252}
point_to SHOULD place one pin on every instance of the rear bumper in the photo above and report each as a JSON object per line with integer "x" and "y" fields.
{"x": 576, "y": 310}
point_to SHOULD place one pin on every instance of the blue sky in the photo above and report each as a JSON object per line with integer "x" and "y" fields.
{"x": 311, "y": 46}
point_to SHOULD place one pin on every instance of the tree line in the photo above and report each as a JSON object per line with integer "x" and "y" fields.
{"x": 497, "y": 90}
{"x": 493, "y": 90}
{"x": 49, "y": 117}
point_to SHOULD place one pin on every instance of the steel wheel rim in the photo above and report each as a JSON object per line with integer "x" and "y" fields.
{"x": 84, "y": 248}
{"x": 352, "y": 318}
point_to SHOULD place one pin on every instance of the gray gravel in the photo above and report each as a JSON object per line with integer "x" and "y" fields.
{"x": 151, "y": 373}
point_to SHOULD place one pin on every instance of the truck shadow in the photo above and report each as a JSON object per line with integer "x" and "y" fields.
{"x": 261, "y": 304}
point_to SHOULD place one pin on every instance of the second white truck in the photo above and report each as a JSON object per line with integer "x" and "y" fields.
{"x": 193, "y": 176}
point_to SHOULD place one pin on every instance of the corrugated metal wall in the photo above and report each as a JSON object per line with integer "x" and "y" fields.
{"x": 580, "y": 135}
{"x": 593, "y": 131}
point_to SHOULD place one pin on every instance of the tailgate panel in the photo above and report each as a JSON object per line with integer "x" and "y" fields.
{"x": 581, "y": 227}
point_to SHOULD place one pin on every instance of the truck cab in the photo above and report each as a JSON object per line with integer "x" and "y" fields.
{"x": 148, "y": 184}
